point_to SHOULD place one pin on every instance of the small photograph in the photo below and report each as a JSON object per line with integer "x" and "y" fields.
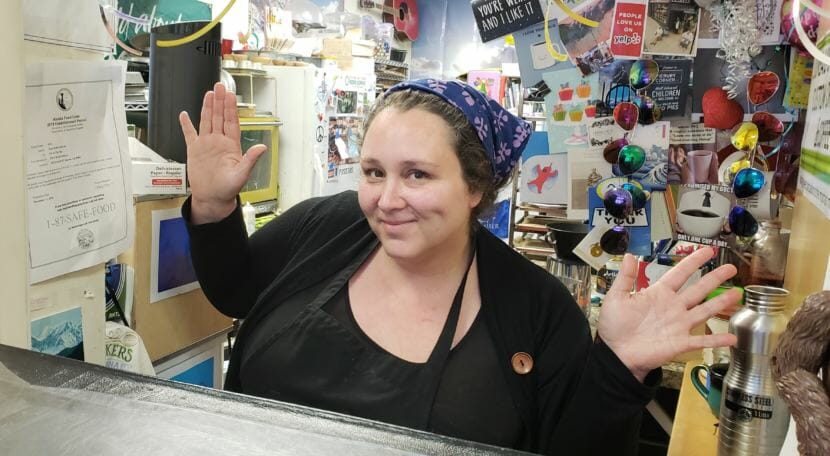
{"x": 60, "y": 334}
{"x": 654, "y": 139}
{"x": 346, "y": 102}
{"x": 692, "y": 155}
{"x": 344, "y": 140}
{"x": 589, "y": 47}
{"x": 671, "y": 27}
{"x": 702, "y": 212}
{"x": 693, "y": 164}
{"x": 584, "y": 171}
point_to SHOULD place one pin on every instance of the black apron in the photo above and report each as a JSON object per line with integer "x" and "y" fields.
{"x": 316, "y": 361}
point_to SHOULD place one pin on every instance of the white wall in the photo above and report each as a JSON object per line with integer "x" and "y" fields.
{"x": 83, "y": 288}
{"x": 13, "y": 310}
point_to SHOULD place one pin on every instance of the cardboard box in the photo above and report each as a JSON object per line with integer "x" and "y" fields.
{"x": 337, "y": 48}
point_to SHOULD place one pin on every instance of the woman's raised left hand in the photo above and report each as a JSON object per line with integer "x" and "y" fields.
{"x": 651, "y": 327}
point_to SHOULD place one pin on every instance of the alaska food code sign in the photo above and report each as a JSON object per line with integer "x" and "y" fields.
{"x": 496, "y": 18}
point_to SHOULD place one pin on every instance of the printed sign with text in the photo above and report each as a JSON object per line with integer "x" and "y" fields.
{"x": 627, "y": 34}
{"x": 496, "y": 18}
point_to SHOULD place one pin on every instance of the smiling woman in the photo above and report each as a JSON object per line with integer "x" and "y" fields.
{"x": 394, "y": 304}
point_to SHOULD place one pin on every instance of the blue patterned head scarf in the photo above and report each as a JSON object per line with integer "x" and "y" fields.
{"x": 503, "y": 135}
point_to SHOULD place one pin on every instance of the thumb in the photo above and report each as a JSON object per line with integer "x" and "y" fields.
{"x": 251, "y": 156}
{"x": 626, "y": 278}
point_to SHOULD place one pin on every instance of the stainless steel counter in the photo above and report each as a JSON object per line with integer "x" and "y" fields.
{"x": 56, "y": 406}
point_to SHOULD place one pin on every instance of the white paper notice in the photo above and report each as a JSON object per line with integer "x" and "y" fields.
{"x": 68, "y": 23}
{"x": 78, "y": 191}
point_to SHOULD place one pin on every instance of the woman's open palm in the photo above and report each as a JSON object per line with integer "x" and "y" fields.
{"x": 651, "y": 327}
{"x": 216, "y": 168}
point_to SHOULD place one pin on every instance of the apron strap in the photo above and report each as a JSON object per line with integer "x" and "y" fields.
{"x": 438, "y": 359}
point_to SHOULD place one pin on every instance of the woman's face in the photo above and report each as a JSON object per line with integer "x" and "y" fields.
{"x": 412, "y": 189}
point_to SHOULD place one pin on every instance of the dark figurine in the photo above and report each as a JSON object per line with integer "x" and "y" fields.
{"x": 802, "y": 351}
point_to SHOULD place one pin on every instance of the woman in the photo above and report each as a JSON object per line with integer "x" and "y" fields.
{"x": 393, "y": 304}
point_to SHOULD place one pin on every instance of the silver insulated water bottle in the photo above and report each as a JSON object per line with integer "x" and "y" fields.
{"x": 753, "y": 417}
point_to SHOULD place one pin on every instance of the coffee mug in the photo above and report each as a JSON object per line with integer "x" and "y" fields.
{"x": 699, "y": 162}
{"x": 700, "y": 222}
{"x": 714, "y": 384}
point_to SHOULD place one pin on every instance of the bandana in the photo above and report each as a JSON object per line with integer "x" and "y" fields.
{"x": 502, "y": 134}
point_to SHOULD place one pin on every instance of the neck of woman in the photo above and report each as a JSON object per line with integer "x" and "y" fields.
{"x": 447, "y": 261}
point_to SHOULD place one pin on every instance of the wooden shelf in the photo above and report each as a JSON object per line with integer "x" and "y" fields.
{"x": 533, "y": 247}
{"x": 560, "y": 211}
{"x": 392, "y": 63}
{"x": 535, "y": 224}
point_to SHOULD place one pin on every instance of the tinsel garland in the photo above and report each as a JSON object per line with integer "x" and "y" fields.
{"x": 736, "y": 20}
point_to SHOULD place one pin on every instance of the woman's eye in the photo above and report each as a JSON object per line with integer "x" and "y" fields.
{"x": 373, "y": 173}
{"x": 418, "y": 175}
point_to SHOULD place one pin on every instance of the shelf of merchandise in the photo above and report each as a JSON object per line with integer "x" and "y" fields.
{"x": 389, "y": 72}
{"x": 528, "y": 221}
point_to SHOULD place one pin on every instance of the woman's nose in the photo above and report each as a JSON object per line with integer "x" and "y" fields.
{"x": 390, "y": 196}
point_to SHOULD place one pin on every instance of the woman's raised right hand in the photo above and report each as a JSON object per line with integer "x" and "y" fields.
{"x": 216, "y": 167}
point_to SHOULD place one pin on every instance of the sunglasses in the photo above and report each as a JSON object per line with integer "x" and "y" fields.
{"x": 760, "y": 88}
{"x": 630, "y": 107}
{"x": 641, "y": 75}
{"x": 747, "y": 181}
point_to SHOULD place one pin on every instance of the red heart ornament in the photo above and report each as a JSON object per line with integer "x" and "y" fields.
{"x": 719, "y": 111}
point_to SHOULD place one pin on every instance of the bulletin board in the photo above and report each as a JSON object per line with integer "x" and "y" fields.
{"x": 174, "y": 323}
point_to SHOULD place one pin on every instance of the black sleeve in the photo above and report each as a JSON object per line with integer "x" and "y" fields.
{"x": 589, "y": 402}
{"x": 233, "y": 269}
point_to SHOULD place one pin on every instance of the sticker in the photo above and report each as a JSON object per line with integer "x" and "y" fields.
{"x": 748, "y": 406}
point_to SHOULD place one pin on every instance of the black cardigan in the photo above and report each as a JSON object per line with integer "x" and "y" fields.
{"x": 578, "y": 399}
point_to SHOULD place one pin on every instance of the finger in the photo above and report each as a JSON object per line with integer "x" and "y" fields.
{"x": 206, "y": 114}
{"x": 711, "y": 341}
{"x": 696, "y": 293}
{"x": 250, "y": 158}
{"x": 231, "y": 126}
{"x": 719, "y": 305}
{"x": 218, "y": 118}
{"x": 188, "y": 130}
{"x": 624, "y": 282}
{"x": 679, "y": 274}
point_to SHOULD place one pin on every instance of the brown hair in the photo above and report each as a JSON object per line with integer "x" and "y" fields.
{"x": 475, "y": 164}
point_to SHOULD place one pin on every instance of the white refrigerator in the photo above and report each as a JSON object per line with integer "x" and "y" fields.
{"x": 322, "y": 115}
{"x": 301, "y": 101}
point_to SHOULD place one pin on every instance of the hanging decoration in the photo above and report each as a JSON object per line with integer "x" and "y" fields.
{"x": 739, "y": 40}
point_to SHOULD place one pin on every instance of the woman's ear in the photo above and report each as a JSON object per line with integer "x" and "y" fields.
{"x": 475, "y": 198}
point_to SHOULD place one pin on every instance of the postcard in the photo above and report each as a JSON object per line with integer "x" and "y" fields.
{"x": 672, "y": 27}
{"x": 589, "y": 47}
{"x": 60, "y": 334}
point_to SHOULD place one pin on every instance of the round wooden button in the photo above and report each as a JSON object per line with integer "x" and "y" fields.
{"x": 522, "y": 363}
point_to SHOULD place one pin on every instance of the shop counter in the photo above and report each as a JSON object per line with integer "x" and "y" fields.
{"x": 53, "y": 405}
{"x": 694, "y": 432}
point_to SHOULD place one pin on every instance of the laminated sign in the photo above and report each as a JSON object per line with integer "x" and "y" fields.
{"x": 496, "y": 18}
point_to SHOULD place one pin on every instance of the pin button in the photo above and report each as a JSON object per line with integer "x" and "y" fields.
{"x": 522, "y": 363}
